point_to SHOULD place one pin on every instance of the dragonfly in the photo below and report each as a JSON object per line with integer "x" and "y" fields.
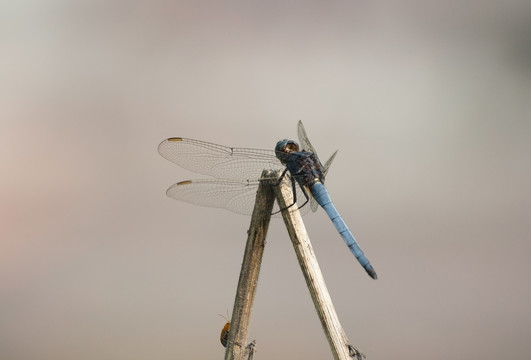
{"x": 237, "y": 172}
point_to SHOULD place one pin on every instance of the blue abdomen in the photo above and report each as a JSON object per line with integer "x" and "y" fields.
{"x": 320, "y": 194}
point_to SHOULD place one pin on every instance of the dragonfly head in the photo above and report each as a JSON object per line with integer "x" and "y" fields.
{"x": 284, "y": 148}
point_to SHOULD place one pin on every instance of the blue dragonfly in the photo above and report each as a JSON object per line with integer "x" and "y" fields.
{"x": 237, "y": 173}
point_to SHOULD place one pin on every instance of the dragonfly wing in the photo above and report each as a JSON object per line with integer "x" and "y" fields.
{"x": 314, "y": 205}
{"x": 219, "y": 161}
{"x": 303, "y": 139}
{"x": 329, "y": 162}
{"x": 307, "y": 145}
{"x": 235, "y": 195}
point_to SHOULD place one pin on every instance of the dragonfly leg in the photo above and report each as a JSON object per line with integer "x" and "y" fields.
{"x": 281, "y": 177}
{"x": 305, "y": 195}
{"x": 294, "y": 190}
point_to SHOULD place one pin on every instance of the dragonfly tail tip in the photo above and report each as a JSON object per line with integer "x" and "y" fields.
{"x": 372, "y": 273}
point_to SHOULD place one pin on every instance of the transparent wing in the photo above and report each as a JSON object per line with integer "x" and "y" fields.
{"x": 329, "y": 162}
{"x": 307, "y": 145}
{"x": 303, "y": 139}
{"x": 219, "y": 161}
{"x": 235, "y": 195}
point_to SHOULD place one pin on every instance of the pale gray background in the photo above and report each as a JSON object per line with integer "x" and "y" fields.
{"x": 428, "y": 102}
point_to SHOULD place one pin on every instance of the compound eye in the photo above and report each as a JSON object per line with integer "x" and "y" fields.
{"x": 291, "y": 147}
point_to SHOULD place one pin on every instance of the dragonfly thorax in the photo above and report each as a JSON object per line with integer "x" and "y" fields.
{"x": 284, "y": 148}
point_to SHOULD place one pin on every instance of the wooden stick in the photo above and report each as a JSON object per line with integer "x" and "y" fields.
{"x": 337, "y": 339}
{"x": 252, "y": 259}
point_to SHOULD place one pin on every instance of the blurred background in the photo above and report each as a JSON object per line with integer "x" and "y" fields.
{"x": 429, "y": 104}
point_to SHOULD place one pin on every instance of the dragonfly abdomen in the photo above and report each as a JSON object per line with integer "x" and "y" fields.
{"x": 320, "y": 194}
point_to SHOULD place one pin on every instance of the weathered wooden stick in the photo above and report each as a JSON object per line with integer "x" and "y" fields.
{"x": 252, "y": 259}
{"x": 337, "y": 339}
